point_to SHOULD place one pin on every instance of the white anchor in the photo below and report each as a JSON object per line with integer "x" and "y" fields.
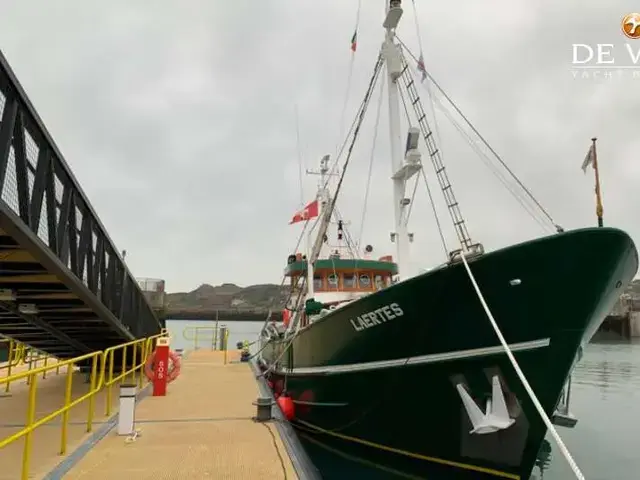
{"x": 496, "y": 416}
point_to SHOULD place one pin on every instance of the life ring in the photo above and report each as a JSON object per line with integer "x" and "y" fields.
{"x": 172, "y": 374}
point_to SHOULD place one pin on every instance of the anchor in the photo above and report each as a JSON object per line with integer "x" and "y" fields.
{"x": 496, "y": 416}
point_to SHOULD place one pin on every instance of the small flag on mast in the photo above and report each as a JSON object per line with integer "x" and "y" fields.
{"x": 307, "y": 213}
{"x": 421, "y": 68}
{"x": 588, "y": 160}
{"x": 354, "y": 40}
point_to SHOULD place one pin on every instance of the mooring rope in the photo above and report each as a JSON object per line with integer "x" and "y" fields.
{"x": 520, "y": 373}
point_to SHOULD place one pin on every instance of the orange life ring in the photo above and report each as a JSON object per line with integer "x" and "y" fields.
{"x": 172, "y": 374}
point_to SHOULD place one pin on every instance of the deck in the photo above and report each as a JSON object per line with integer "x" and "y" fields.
{"x": 203, "y": 428}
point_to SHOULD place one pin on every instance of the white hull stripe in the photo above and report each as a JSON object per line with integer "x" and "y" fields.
{"x": 419, "y": 360}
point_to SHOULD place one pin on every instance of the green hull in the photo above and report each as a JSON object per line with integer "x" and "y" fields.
{"x": 389, "y": 379}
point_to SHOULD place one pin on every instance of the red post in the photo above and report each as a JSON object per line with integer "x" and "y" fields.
{"x": 161, "y": 365}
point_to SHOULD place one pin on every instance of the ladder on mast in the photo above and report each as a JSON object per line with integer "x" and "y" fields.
{"x": 459, "y": 223}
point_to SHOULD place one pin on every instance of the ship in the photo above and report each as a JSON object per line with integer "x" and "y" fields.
{"x": 462, "y": 366}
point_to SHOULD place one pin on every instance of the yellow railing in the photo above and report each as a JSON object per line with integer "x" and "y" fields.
{"x": 132, "y": 356}
{"x": 20, "y": 354}
{"x": 139, "y": 350}
{"x": 205, "y": 335}
{"x": 31, "y": 423}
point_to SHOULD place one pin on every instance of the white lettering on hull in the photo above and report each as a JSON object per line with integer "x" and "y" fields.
{"x": 376, "y": 317}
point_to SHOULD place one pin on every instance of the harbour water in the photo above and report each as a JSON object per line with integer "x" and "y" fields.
{"x": 605, "y": 398}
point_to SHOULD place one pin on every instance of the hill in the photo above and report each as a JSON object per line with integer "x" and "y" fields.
{"x": 229, "y": 296}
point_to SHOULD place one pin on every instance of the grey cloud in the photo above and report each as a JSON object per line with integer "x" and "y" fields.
{"x": 179, "y": 122}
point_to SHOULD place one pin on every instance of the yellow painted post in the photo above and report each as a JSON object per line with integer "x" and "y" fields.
{"x": 65, "y": 415}
{"x": 109, "y": 380}
{"x": 30, "y": 366}
{"x": 143, "y": 361}
{"x": 226, "y": 338}
{"x": 92, "y": 398}
{"x": 44, "y": 374}
{"x": 31, "y": 416}
{"x": 123, "y": 369}
{"x": 12, "y": 354}
{"x": 134, "y": 365}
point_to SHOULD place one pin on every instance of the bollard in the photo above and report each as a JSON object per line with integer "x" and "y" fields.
{"x": 127, "y": 414}
{"x": 161, "y": 365}
{"x": 263, "y": 409}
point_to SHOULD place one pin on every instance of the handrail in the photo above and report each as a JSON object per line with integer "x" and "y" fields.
{"x": 211, "y": 340}
{"x": 143, "y": 346}
{"x": 32, "y": 423}
{"x": 19, "y": 353}
{"x": 101, "y": 375}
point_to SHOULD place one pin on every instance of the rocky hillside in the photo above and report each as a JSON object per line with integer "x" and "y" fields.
{"x": 228, "y": 297}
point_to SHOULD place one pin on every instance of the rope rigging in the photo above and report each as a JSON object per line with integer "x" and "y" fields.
{"x": 300, "y": 160}
{"x": 355, "y": 128}
{"x": 482, "y": 139}
{"x": 350, "y": 72}
{"x": 370, "y": 170}
{"x": 356, "y": 131}
{"x": 434, "y": 209}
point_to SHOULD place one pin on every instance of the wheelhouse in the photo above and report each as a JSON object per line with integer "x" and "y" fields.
{"x": 336, "y": 279}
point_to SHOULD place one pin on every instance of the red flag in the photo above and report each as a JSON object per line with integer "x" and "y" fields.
{"x": 421, "y": 67}
{"x": 310, "y": 211}
{"x": 354, "y": 41}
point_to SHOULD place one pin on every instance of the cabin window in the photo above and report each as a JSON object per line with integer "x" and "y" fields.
{"x": 317, "y": 283}
{"x": 378, "y": 282}
{"x": 332, "y": 280}
{"x": 349, "y": 280}
{"x": 364, "y": 280}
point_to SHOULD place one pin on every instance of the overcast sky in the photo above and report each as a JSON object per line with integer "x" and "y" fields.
{"x": 178, "y": 118}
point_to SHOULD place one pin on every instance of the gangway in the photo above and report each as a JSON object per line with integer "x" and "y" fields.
{"x": 64, "y": 287}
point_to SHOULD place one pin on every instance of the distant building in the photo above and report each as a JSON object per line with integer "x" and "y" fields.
{"x": 154, "y": 291}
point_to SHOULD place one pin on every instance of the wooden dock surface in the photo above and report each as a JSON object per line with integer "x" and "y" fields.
{"x": 203, "y": 428}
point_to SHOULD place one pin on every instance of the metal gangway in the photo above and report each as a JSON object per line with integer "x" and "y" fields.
{"x": 64, "y": 287}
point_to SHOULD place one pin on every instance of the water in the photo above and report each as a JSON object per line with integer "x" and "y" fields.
{"x": 183, "y": 333}
{"x": 605, "y": 398}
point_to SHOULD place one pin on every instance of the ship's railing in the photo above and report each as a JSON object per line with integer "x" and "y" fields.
{"x": 130, "y": 357}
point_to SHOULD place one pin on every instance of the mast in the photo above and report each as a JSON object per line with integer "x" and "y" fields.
{"x": 599, "y": 209}
{"x": 323, "y": 197}
{"x": 393, "y": 62}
